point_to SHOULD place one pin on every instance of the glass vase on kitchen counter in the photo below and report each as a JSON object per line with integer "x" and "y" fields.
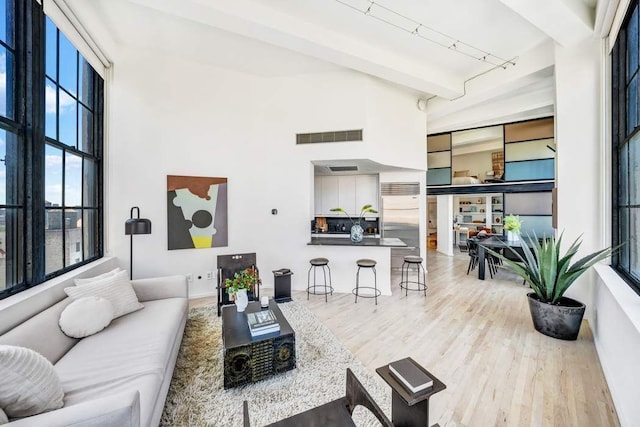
{"x": 357, "y": 232}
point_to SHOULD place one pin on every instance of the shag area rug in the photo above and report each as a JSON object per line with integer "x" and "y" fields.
{"x": 197, "y": 397}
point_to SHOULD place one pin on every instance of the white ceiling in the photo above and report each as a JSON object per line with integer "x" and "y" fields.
{"x": 285, "y": 37}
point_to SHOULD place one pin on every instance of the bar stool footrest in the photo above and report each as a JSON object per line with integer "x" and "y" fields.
{"x": 406, "y": 286}
{"x": 377, "y": 292}
{"x": 313, "y": 291}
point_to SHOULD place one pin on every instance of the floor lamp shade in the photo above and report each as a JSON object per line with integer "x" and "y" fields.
{"x": 135, "y": 225}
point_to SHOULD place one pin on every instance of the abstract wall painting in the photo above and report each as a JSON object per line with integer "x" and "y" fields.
{"x": 196, "y": 212}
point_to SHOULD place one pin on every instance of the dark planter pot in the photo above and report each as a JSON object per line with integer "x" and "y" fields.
{"x": 560, "y": 321}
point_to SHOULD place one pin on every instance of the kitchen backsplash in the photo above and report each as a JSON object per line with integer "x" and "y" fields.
{"x": 342, "y": 225}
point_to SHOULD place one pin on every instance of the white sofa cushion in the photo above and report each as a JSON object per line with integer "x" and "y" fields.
{"x": 117, "y": 289}
{"x": 86, "y": 316}
{"x": 134, "y": 351}
{"x": 29, "y": 384}
{"x": 42, "y": 333}
{"x": 86, "y": 281}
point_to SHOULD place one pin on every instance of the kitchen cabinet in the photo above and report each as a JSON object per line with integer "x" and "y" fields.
{"x": 317, "y": 195}
{"x": 349, "y": 192}
{"x": 329, "y": 195}
{"x": 366, "y": 192}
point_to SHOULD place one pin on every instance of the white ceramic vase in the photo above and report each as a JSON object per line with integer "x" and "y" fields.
{"x": 242, "y": 300}
{"x": 512, "y": 236}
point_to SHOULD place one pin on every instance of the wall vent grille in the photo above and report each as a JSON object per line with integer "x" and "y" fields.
{"x": 400, "y": 188}
{"x": 333, "y": 136}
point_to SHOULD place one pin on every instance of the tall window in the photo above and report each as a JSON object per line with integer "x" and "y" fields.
{"x": 626, "y": 147}
{"x": 51, "y": 103}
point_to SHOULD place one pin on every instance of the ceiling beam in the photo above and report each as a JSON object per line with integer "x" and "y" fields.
{"x": 565, "y": 21}
{"x": 260, "y": 22}
{"x": 537, "y": 103}
{"x": 605, "y": 12}
{"x": 535, "y": 64}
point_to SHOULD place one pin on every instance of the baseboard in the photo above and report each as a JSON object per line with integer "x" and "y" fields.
{"x": 202, "y": 295}
{"x": 213, "y": 294}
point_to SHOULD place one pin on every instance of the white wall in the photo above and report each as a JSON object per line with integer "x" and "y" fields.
{"x": 613, "y": 309}
{"x": 171, "y": 116}
{"x": 445, "y": 221}
{"x": 616, "y": 331}
{"x": 577, "y": 74}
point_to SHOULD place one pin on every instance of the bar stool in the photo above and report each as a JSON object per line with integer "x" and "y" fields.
{"x": 366, "y": 263}
{"x": 415, "y": 261}
{"x": 322, "y": 263}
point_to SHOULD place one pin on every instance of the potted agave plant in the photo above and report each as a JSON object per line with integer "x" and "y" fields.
{"x": 357, "y": 232}
{"x": 549, "y": 275}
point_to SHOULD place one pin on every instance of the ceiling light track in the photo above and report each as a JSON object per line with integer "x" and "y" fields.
{"x": 464, "y": 84}
{"x": 397, "y": 20}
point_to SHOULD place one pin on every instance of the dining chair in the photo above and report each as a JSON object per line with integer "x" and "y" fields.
{"x": 492, "y": 261}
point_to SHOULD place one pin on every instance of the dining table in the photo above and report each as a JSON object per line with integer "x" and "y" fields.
{"x": 493, "y": 243}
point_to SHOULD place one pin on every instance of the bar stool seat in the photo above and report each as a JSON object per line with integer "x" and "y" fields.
{"x": 367, "y": 263}
{"x": 317, "y": 288}
{"x": 405, "y": 282}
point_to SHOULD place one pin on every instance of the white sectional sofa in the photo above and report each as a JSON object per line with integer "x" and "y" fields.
{"x": 117, "y": 377}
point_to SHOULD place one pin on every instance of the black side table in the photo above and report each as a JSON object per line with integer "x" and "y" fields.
{"x": 410, "y": 409}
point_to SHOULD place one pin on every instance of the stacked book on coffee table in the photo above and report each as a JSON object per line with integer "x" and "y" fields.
{"x": 262, "y": 322}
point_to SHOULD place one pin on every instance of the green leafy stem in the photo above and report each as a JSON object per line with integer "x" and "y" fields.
{"x": 365, "y": 210}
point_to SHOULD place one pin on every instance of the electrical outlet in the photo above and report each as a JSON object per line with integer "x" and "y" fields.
{"x": 189, "y": 277}
{"x": 209, "y": 275}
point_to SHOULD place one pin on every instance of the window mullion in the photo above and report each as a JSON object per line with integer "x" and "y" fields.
{"x": 33, "y": 141}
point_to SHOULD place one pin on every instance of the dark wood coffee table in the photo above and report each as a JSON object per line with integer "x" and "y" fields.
{"x": 249, "y": 359}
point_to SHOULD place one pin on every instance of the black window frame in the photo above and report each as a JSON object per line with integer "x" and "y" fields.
{"x": 28, "y": 123}
{"x": 621, "y": 137}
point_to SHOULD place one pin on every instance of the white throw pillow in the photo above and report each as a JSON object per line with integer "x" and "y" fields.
{"x": 3, "y": 417}
{"x": 117, "y": 289}
{"x": 86, "y": 316}
{"x": 80, "y": 282}
{"x": 28, "y": 383}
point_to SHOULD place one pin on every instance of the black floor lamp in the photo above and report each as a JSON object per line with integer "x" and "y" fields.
{"x": 133, "y": 226}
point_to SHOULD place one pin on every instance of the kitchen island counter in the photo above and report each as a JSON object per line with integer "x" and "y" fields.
{"x": 389, "y": 242}
{"x": 343, "y": 256}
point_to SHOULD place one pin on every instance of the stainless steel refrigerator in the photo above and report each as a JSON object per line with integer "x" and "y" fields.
{"x": 401, "y": 218}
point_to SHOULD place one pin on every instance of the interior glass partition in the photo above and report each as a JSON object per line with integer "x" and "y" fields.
{"x": 529, "y": 150}
{"x": 439, "y": 159}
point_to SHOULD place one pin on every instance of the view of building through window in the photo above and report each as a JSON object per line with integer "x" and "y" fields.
{"x": 50, "y": 191}
{"x": 11, "y": 198}
{"x": 69, "y": 130}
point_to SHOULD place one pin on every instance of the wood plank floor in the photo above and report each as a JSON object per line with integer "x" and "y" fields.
{"x": 477, "y": 337}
